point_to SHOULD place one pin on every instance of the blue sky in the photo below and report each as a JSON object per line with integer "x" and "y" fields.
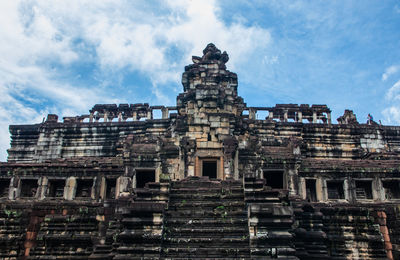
{"x": 63, "y": 57}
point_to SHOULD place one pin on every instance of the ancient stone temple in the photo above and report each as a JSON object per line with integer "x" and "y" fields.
{"x": 208, "y": 178}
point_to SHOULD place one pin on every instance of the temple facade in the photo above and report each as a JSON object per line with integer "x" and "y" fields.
{"x": 208, "y": 178}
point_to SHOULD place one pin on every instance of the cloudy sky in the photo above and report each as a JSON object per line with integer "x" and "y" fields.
{"x": 63, "y": 57}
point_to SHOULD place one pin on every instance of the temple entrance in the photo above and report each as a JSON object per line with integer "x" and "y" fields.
{"x": 210, "y": 169}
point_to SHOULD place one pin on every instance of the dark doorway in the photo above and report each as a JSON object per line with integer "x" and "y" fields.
{"x": 274, "y": 179}
{"x": 311, "y": 193}
{"x": 144, "y": 176}
{"x": 110, "y": 191}
{"x": 84, "y": 188}
{"x": 364, "y": 190}
{"x": 56, "y": 188}
{"x": 210, "y": 169}
{"x": 4, "y": 187}
{"x": 29, "y": 188}
{"x": 335, "y": 190}
{"x": 392, "y": 189}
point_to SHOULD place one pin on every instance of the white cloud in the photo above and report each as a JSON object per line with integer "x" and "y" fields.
{"x": 392, "y": 115}
{"x": 124, "y": 35}
{"x": 394, "y": 92}
{"x": 389, "y": 72}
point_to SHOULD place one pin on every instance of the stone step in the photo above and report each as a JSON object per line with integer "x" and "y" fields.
{"x": 197, "y": 214}
{"x": 205, "y": 253}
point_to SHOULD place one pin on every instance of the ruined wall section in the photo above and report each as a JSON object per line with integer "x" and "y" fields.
{"x": 327, "y": 141}
{"x": 46, "y": 141}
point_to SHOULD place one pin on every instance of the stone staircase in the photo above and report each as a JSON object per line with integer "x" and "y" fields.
{"x": 270, "y": 221}
{"x": 142, "y": 224}
{"x": 206, "y": 219}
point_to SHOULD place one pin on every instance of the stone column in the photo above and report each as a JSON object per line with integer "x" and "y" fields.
{"x": 378, "y": 192}
{"x": 285, "y": 116}
{"x": 314, "y": 117}
{"x": 103, "y": 188}
{"x": 15, "y": 188}
{"x": 106, "y": 116}
{"x": 302, "y": 188}
{"x": 42, "y": 188}
{"x": 236, "y": 165}
{"x": 329, "y": 118}
{"x": 271, "y": 115}
{"x": 347, "y": 191}
{"x": 124, "y": 185}
{"x": 299, "y": 116}
{"x": 252, "y": 113}
{"x": 164, "y": 112}
{"x": 322, "y": 190}
{"x": 134, "y": 115}
{"x": 70, "y": 188}
{"x": 120, "y": 117}
{"x": 91, "y": 117}
{"x": 149, "y": 114}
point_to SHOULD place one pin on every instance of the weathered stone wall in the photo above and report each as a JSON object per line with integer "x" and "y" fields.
{"x": 97, "y": 185}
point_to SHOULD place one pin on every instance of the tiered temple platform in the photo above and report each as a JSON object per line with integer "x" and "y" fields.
{"x": 209, "y": 178}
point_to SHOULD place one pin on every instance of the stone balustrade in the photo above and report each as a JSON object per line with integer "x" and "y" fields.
{"x": 120, "y": 113}
{"x": 293, "y": 113}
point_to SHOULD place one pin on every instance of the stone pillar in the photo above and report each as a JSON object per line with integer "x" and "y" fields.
{"x": 124, "y": 184}
{"x": 222, "y": 169}
{"x": 329, "y": 118}
{"x": 197, "y": 167}
{"x": 302, "y": 188}
{"x": 106, "y": 116}
{"x": 322, "y": 190}
{"x": 314, "y": 117}
{"x": 94, "y": 194}
{"x": 42, "y": 188}
{"x": 149, "y": 114}
{"x": 134, "y": 115}
{"x": 70, "y": 188}
{"x": 252, "y": 113}
{"x": 346, "y": 190}
{"x": 299, "y": 116}
{"x": 120, "y": 117}
{"x": 15, "y": 188}
{"x": 165, "y": 113}
{"x": 285, "y": 116}
{"x": 378, "y": 192}
{"x": 271, "y": 115}
{"x": 236, "y": 165}
{"x": 91, "y": 117}
{"x": 103, "y": 188}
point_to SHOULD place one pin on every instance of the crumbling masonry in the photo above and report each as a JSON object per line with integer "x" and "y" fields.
{"x": 210, "y": 178}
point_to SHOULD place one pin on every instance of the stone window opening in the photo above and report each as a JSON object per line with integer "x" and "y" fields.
{"x": 110, "y": 188}
{"x": 84, "y": 188}
{"x": 392, "y": 189}
{"x": 28, "y": 188}
{"x": 364, "y": 190}
{"x": 311, "y": 193}
{"x": 262, "y": 114}
{"x": 4, "y": 188}
{"x": 56, "y": 188}
{"x": 144, "y": 176}
{"x": 335, "y": 190}
{"x": 274, "y": 178}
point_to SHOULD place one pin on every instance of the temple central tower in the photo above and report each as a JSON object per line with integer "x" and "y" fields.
{"x": 209, "y": 107}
